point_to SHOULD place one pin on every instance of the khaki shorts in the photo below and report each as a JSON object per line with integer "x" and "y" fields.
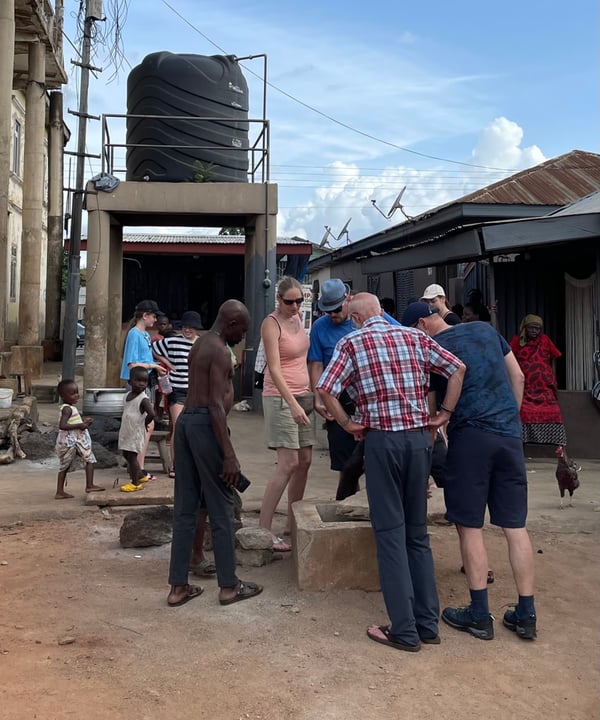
{"x": 281, "y": 430}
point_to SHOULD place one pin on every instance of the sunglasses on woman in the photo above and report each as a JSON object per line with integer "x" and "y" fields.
{"x": 292, "y": 301}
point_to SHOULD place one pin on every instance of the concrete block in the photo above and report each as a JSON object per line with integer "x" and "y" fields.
{"x": 332, "y": 553}
{"x": 254, "y": 558}
{"x": 251, "y": 538}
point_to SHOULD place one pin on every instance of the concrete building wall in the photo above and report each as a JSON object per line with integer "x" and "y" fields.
{"x": 15, "y": 218}
{"x": 12, "y": 262}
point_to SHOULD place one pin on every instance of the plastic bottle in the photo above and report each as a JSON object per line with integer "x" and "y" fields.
{"x": 164, "y": 382}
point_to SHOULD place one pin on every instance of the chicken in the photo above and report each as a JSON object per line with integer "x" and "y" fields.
{"x": 566, "y": 475}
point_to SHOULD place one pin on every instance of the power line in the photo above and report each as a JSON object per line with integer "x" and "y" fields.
{"x": 331, "y": 118}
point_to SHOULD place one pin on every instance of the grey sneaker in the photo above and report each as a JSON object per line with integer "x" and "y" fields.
{"x": 525, "y": 628}
{"x": 462, "y": 619}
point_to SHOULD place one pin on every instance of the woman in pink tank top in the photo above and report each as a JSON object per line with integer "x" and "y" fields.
{"x": 288, "y": 427}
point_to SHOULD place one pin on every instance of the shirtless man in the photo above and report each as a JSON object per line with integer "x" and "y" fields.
{"x": 207, "y": 466}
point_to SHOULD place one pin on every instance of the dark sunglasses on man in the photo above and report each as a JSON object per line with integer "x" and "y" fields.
{"x": 334, "y": 311}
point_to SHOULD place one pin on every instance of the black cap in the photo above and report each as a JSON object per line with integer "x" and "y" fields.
{"x": 414, "y": 312}
{"x": 148, "y": 306}
{"x": 192, "y": 319}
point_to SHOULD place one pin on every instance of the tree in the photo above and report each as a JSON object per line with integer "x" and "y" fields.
{"x": 232, "y": 231}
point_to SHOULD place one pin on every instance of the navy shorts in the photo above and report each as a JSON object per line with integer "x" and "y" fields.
{"x": 341, "y": 444}
{"x": 177, "y": 396}
{"x": 483, "y": 468}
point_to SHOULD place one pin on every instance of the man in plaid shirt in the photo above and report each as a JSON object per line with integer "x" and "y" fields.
{"x": 388, "y": 369}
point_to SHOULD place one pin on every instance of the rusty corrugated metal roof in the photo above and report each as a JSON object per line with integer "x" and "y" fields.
{"x": 558, "y": 181}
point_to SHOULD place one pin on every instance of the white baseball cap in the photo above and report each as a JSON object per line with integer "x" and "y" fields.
{"x": 433, "y": 291}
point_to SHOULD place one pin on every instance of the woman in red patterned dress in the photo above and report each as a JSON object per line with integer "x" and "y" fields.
{"x": 540, "y": 413}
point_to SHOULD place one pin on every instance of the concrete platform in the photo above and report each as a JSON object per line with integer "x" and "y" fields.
{"x": 333, "y": 542}
{"x": 156, "y": 492}
{"x": 331, "y": 553}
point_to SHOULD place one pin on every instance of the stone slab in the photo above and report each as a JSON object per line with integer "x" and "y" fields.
{"x": 356, "y": 507}
{"x": 156, "y": 492}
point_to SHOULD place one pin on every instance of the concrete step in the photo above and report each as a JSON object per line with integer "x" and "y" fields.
{"x": 44, "y": 393}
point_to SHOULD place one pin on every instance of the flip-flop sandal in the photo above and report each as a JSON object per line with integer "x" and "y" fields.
{"x": 490, "y": 575}
{"x": 244, "y": 591}
{"x": 172, "y": 474}
{"x": 192, "y": 591}
{"x": 381, "y": 634}
{"x": 280, "y": 545}
{"x": 205, "y": 568}
{"x": 148, "y": 475}
{"x": 130, "y": 487}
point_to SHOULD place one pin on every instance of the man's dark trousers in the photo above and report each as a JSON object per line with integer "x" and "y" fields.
{"x": 197, "y": 481}
{"x": 397, "y": 470}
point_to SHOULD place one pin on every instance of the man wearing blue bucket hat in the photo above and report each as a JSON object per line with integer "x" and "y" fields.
{"x": 326, "y": 332}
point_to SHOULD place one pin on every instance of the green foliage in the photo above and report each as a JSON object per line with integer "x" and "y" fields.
{"x": 232, "y": 231}
{"x": 203, "y": 172}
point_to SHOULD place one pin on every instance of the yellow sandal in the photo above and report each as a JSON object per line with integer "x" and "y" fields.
{"x": 130, "y": 487}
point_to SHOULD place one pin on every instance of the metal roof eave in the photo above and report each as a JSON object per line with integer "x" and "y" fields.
{"x": 438, "y": 251}
{"x": 486, "y": 240}
{"x": 440, "y": 221}
{"x": 538, "y": 232}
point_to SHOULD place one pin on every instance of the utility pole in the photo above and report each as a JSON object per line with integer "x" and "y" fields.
{"x": 73, "y": 279}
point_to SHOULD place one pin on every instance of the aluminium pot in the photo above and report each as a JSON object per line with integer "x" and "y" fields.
{"x": 104, "y": 401}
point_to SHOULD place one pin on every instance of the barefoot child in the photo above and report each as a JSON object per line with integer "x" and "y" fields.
{"x": 73, "y": 444}
{"x": 138, "y": 413}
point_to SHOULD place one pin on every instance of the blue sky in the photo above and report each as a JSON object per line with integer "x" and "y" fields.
{"x": 493, "y": 88}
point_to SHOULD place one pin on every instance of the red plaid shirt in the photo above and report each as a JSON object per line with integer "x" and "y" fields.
{"x": 386, "y": 370}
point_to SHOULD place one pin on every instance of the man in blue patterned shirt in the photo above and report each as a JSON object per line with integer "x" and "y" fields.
{"x": 485, "y": 467}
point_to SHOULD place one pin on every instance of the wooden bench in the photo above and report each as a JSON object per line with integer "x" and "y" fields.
{"x": 161, "y": 438}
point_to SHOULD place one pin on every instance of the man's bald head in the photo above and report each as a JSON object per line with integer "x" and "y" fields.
{"x": 233, "y": 309}
{"x": 363, "y": 306}
{"x": 232, "y": 321}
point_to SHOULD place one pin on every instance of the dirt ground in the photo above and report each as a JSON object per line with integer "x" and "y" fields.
{"x": 286, "y": 654}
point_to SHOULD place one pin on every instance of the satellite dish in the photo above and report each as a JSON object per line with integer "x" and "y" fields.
{"x": 344, "y": 230}
{"x": 325, "y": 237}
{"x": 397, "y": 204}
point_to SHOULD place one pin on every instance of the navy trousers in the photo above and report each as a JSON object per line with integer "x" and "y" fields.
{"x": 197, "y": 481}
{"x": 397, "y": 470}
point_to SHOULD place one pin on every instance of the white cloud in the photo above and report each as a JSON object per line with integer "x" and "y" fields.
{"x": 348, "y": 192}
{"x": 398, "y": 92}
{"x": 500, "y": 146}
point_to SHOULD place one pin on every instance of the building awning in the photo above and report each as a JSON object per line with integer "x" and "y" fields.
{"x": 486, "y": 240}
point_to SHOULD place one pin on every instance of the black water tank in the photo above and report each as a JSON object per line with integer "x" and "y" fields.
{"x": 177, "y": 85}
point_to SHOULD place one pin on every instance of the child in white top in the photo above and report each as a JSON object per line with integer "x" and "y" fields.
{"x": 138, "y": 413}
{"x": 73, "y": 444}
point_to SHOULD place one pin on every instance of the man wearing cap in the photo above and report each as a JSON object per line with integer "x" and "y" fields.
{"x": 435, "y": 296}
{"x": 388, "y": 369}
{"x": 484, "y": 467}
{"x": 324, "y": 336}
